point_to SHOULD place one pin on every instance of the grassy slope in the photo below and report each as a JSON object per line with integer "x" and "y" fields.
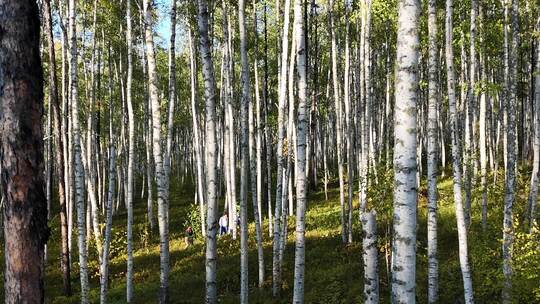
{"x": 333, "y": 272}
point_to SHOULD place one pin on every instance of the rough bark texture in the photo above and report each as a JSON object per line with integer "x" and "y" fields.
{"x": 365, "y": 76}
{"x": 211, "y": 151}
{"x": 456, "y": 163}
{"x": 536, "y": 148}
{"x": 510, "y": 180}
{"x": 281, "y": 164}
{"x": 131, "y": 158}
{"x": 469, "y": 132}
{"x": 201, "y": 190}
{"x": 349, "y": 130}
{"x": 405, "y": 165}
{"x": 301, "y": 180}
{"x": 244, "y": 166}
{"x": 77, "y": 172}
{"x": 172, "y": 90}
{"x": 370, "y": 256}
{"x": 161, "y": 175}
{"x": 255, "y": 159}
{"x": 432, "y": 145}
{"x": 104, "y": 270}
{"x": 483, "y": 136}
{"x": 339, "y": 131}
{"x": 21, "y": 152}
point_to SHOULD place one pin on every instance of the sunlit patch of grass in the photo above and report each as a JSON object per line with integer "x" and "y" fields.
{"x": 333, "y": 270}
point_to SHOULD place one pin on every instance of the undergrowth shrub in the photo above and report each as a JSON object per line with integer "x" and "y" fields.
{"x": 193, "y": 219}
{"x": 526, "y": 259}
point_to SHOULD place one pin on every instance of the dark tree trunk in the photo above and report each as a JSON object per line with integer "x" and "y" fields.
{"x": 21, "y": 151}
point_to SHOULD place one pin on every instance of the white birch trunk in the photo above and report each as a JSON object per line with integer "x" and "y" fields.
{"x": 172, "y": 90}
{"x": 533, "y": 196}
{"x": 244, "y": 107}
{"x": 258, "y": 135}
{"x": 78, "y": 176}
{"x": 255, "y": 163}
{"x": 282, "y": 99}
{"x": 339, "y": 130}
{"x": 148, "y": 139}
{"x": 471, "y": 99}
{"x": 366, "y": 97}
{"x": 370, "y": 257}
{"x": 432, "y": 151}
{"x": 301, "y": 180}
{"x": 211, "y": 152}
{"x": 511, "y": 7}
{"x": 405, "y": 164}
{"x": 161, "y": 176}
{"x": 104, "y": 267}
{"x": 131, "y": 158}
{"x": 456, "y": 163}
{"x": 349, "y": 129}
{"x": 291, "y": 153}
{"x": 196, "y": 137}
{"x": 482, "y": 142}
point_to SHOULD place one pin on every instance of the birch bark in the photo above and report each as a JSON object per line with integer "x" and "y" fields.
{"x": 244, "y": 108}
{"x": 161, "y": 175}
{"x": 405, "y": 164}
{"x": 211, "y": 151}
{"x": 456, "y": 162}
{"x": 78, "y": 176}
{"x": 301, "y": 180}
{"x": 281, "y": 164}
{"x": 433, "y": 105}
{"x": 370, "y": 257}
{"x": 131, "y": 157}
{"x": 533, "y": 196}
{"x": 511, "y": 7}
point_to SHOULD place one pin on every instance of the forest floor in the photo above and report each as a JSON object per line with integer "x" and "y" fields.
{"x": 333, "y": 271}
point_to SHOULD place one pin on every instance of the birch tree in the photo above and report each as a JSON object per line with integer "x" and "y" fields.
{"x": 211, "y": 151}
{"x": 365, "y": 97}
{"x": 432, "y": 130}
{"x": 511, "y": 7}
{"x": 301, "y": 179}
{"x": 536, "y": 146}
{"x": 246, "y": 99}
{"x": 78, "y": 176}
{"x": 131, "y": 156}
{"x": 172, "y": 89}
{"x": 266, "y": 126}
{"x": 405, "y": 165}
{"x": 370, "y": 257}
{"x": 282, "y": 99}
{"x": 471, "y": 99}
{"x": 197, "y": 143}
{"x": 255, "y": 155}
{"x": 482, "y": 141}
{"x": 349, "y": 129}
{"x": 456, "y": 162}
{"x": 161, "y": 176}
{"x": 104, "y": 267}
{"x": 338, "y": 111}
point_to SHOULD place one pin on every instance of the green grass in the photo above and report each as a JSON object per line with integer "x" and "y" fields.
{"x": 333, "y": 271}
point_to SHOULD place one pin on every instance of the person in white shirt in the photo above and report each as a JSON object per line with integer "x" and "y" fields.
{"x": 223, "y": 224}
